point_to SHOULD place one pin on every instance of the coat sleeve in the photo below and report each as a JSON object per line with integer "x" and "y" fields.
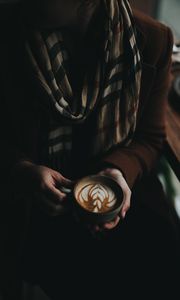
{"x": 12, "y": 132}
{"x": 11, "y": 154}
{"x": 141, "y": 156}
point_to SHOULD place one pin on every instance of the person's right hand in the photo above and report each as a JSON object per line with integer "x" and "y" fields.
{"x": 42, "y": 185}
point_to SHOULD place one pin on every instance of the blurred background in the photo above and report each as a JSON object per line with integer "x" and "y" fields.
{"x": 164, "y": 10}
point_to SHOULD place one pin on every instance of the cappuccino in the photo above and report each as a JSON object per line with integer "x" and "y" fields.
{"x": 96, "y": 197}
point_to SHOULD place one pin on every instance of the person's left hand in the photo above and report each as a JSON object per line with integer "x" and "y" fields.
{"x": 116, "y": 175}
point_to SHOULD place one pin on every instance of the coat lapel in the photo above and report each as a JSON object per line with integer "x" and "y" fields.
{"x": 148, "y": 71}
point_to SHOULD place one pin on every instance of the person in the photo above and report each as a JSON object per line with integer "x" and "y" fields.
{"x": 84, "y": 88}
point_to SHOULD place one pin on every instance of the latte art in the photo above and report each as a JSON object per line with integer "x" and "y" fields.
{"x": 96, "y": 198}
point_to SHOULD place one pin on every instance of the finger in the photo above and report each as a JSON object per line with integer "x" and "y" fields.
{"x": 126, "y": 204}
{"x": 55, "y": 194}
{"x": 111, "y": 172}
{"x": 65, "y": 190}
{"x": 112, "y": 224}
{"x": 61, "y": 180}
{"x": 97, "y": 228}
{"x": 124, "y": 209}
{"x": 102, "y": 173}
{"x": 94, "y": 228}
{"x": 125, "y": 189}
{"x": 47, "y": 205}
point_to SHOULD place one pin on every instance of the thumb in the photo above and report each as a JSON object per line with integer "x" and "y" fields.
{"x": 126, "y": 204}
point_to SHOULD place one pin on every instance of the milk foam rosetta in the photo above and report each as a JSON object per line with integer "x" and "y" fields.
{"x": 96, "y": 197}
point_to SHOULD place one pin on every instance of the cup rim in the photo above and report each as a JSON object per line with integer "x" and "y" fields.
{"x": 119, "y": 201}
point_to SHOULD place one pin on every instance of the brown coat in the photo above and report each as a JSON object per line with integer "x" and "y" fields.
{"x": 20, "y": 97}
{"x": 155, "y": 42}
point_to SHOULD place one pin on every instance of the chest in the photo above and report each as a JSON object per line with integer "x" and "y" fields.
{"x": 83, "y": 55}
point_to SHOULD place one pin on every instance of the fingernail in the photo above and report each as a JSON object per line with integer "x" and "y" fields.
{"x": 124, "y": 214}
{"x": 65, "y": 190}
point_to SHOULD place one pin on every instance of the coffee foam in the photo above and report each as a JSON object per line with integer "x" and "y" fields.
{"x": 96, "y": 197}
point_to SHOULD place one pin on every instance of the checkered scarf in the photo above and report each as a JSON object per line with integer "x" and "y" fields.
{"x": 114, "y": 88}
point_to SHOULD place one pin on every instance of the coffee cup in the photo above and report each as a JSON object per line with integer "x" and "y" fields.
{"x": 97, "y": 198}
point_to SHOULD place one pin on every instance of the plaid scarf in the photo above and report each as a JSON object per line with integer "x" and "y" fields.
{"x": 114, "y": 87}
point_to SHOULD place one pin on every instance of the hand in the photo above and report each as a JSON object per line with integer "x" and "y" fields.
{"x": 43, "y": 185}
{"x": 116, "y": 175}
